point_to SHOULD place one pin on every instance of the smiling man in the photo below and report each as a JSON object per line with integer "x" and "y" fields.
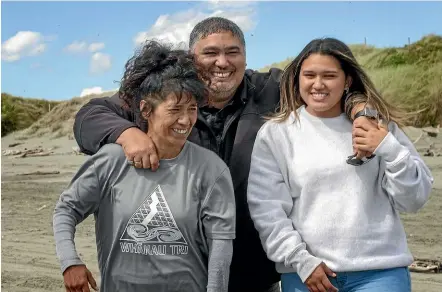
{"x": 227, "y": 125}
{"x": 223, "y": 56}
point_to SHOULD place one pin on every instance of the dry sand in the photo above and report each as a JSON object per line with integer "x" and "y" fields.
{"x": 27, "y": 246}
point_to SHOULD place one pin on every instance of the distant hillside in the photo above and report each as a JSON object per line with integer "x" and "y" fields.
{"x": 409, "y": 76}
{"x": 19, "y": 113}
{"x": 60, "y": 120}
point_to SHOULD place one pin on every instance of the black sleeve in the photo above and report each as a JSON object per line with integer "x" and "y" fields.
{"x": 266, "y": 87}
{"x": 101, "y": 121}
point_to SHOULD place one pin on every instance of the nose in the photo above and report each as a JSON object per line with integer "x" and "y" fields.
{"x": 184, "y": 119}
{"x": 221, "y": 61}
{"x": 318, "y": 84}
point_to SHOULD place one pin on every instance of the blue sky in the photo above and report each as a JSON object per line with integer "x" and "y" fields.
{"x": 57, "y": 50}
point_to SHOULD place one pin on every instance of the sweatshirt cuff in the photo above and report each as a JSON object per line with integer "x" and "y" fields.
{"x": 69, "y": 263}
{"x": 306, "y": 264}
{"x": 391, "y": 150}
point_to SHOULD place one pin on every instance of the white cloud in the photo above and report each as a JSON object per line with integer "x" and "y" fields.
{"x": 94, "y": 47}
{"x": 91, "y": 90}
{"x": 10, "y": 57}
{"x": 216, "y": 4}
{"x": 176, "y": 28}
{"x": 78, "y": 47}
{"x": 96, "y": 90}
{"x": 37, "y": 50}
{"x": 100, "y": 63}
{"x": 23, "y": 44}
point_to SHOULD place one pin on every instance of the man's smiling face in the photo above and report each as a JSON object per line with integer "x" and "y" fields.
{"x": 222, "y": 56}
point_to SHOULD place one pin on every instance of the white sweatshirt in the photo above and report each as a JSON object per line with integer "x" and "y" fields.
{"x": 309, "y": 205}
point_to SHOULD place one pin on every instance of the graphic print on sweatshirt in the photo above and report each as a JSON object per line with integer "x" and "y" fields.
{"x": 152, "y": 230}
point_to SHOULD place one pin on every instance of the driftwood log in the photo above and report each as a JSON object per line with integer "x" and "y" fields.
{"x": 28, "y": 152}
{"x": 15, "y": 144}
{"x": 41, "y": 172}
{"x": 426, "y": 266}
{"x": 31, "y": 154}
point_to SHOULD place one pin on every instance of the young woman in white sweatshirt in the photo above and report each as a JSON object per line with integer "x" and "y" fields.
{"x": 327, "y": 224}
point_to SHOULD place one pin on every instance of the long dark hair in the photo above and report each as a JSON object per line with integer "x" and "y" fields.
{"x": 291, "y": 99}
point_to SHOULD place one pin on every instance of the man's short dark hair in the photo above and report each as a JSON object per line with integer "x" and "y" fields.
{"x": 213, "y": 25}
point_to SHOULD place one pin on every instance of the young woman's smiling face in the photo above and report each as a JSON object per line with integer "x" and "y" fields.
{"x": 321, "y": 84}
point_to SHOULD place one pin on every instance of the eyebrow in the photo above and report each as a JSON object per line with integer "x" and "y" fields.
{"x": 214, "y": 48}
{"x": 326, "y": 71}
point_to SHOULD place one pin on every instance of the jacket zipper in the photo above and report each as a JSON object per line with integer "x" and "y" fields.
{"x": 226, "y": 129}
{"x": 229, "y": 123}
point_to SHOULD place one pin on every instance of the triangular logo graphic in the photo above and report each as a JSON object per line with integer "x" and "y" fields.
{"x": 153, "y": 222}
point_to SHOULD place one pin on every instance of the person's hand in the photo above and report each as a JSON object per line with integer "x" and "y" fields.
{"x": 78, "y": 278}
{"x": 359, "y": 154}
{"x": 139, "y": 148}
{"x": 367, "y": 135}
{"x": 318, "y": 280}
{"x": 356, "y": 124}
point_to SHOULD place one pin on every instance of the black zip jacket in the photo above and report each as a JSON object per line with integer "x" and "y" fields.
{"x": 102, "y": 120}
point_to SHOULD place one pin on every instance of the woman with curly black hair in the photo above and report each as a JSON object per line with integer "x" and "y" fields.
{"x": 168, "y": 230}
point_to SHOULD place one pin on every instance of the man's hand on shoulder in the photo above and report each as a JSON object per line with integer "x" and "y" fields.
{"x": 139, "y": 148}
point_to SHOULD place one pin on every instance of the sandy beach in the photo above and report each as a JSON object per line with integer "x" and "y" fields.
{"x": 28, "y": 198}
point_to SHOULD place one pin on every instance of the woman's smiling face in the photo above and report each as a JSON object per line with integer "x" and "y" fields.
{"x": 171, "y": 122}
{"x": 321, "y": 84}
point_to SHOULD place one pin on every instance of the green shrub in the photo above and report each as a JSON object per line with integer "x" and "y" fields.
{"x": 19, "y": 113}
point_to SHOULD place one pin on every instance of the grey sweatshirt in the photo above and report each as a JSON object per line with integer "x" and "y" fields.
{"x": 309, "y": 206}
{"x": 168, "y": 230}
